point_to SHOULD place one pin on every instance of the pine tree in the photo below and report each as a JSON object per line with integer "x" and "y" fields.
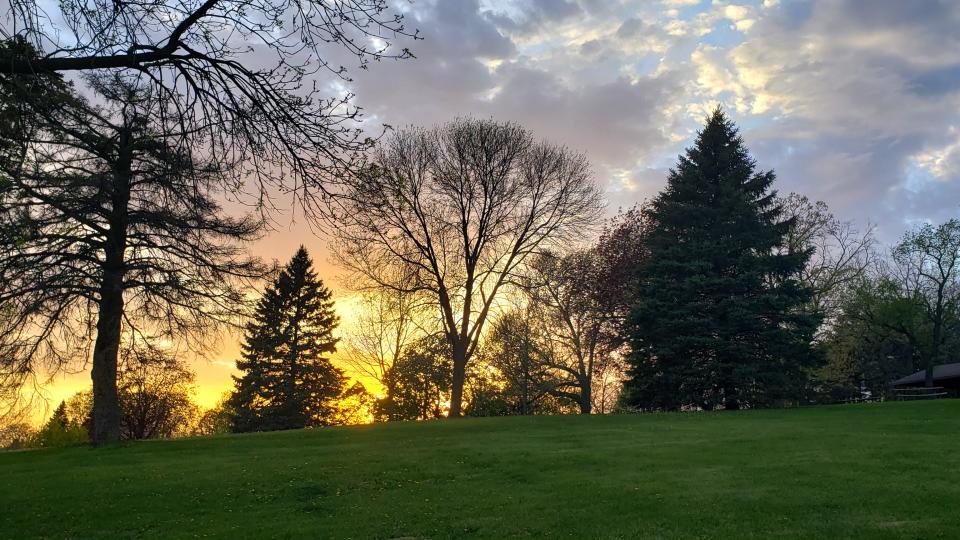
{"x": 719, "y": 319}
{"x": 287, "y": 381}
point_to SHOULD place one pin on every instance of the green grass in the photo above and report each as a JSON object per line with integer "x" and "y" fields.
{"x": 857, "y": 471}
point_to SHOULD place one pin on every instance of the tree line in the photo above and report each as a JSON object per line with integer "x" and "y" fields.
{"x": 469, "y": 243}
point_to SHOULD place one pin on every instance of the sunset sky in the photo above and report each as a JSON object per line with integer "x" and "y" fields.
{"x": 853, "y": 103}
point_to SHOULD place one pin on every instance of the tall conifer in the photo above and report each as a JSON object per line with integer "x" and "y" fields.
{"x": 288, "y": 381}
{"x": 719, "y": 319}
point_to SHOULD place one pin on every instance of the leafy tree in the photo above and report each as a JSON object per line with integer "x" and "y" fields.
{"x": 59, "y": 431}
{"x": 155, "y": 391}
{"x": 110, "y": 228}
{"x": 516, "y": 349}
{"x": 17, "y": 435}
{"x": 583, "y": 297}
{"x": 719, "y": 319}
{"x": 217, "y": 419}
{"x": 355, "y": 406}
{"x": 927, "y": 265}
{"x": 876, "y": 338}
{"x": 385, "y": 324}
{"x": 288, "y": 381}
{"x": 421, "y": 379}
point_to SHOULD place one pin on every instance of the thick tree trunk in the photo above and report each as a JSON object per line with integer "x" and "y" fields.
{"x": 459, "y": 377}
{"x": 586, "y": 398}
{"x": 106, "y": 402}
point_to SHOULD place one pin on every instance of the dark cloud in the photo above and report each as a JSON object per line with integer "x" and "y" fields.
{"x": 530, "y": 16}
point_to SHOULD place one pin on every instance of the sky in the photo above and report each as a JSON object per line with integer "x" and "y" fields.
{"x": 855, "y": 103}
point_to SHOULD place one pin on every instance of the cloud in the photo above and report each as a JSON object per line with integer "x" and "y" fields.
{"x": 857, "y": 106}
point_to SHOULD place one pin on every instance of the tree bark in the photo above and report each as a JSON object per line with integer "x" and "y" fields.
{"x": 934, "y": 354}
{"x": 106, "y": 402}
{"x": 586, "y": 397}
{"x": 459, "y": 376}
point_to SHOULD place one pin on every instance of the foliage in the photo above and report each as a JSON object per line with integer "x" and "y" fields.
{"x": 155, "y": 391}
{"x": 869, "y": 345}
{"x": 421, "y": 380}
{"x": 385, "y": 324}
{"x": 355, "y": 406}
{"x": 17, "y": 436}
{"x": 516, "y": 349}
{"x": 60, "y": 431}
{"x": 718, "y": 319}
{"x": 927, "y": 267}
{"x": 288, "y": 381}
{"x": 217, "y": 419}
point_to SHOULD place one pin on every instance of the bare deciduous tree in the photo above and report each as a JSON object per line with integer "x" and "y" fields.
{"x": 842, "y": 253}
{"x": 460, "y": 208}
{"x": 245, "y": 79}
{"x": 384, "y": 326}
{"x": 584, "y": 296}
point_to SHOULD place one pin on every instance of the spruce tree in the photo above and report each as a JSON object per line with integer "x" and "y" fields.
{"x": 719, "y": 318}
{"x": 288, "y": 381}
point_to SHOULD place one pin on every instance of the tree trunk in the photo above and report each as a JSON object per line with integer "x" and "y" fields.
{"x": 934, "y": 354}
{"x": 459, "y": 376}
{"x": 586, "y": 397}
{"x": 106, "y": 402}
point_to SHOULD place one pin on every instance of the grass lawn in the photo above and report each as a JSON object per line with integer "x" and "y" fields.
{"x": 857, "y": 471}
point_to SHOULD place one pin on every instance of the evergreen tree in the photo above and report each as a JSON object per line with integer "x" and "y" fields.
{"x": 287, "y": 381}
{"x": 719, "y": 319}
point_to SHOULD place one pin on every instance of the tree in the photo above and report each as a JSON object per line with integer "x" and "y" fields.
{"x": 927, "y": 262}
{"x": 355, "y": 406}
{"x": 719, "y": 319}
{"x": 458, "y": 209}
{"x": 155, "y": 391}
{"x": 60, "y": 430}
{"x": 584, "y": 296}
{"x": 516, "y": 348}
{"x": 421, "y": 381}
{"x": 110, "y": 228}
{"x": 879, "y": 336}
{"x": 385, "y": 325}
{"x": 16, "y": 436}
{"x": 217, "y": 419}
{"x": 288, "y": 381}
{"x": 238, "y": 76}
{"x": 840, "y": 257}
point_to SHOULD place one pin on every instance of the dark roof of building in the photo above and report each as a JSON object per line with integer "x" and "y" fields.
{"x": 943, "y": 371}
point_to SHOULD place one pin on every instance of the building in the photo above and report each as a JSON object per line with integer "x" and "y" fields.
{"x": 946, "y": 376}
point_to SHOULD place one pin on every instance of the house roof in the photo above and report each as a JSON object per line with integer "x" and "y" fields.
{"x": 943, "y": 371}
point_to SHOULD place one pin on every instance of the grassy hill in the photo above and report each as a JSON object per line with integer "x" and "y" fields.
{"x": 859, "y": 471}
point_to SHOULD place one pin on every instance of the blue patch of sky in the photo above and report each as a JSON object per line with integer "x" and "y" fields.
{"x": 723, "y": 35}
